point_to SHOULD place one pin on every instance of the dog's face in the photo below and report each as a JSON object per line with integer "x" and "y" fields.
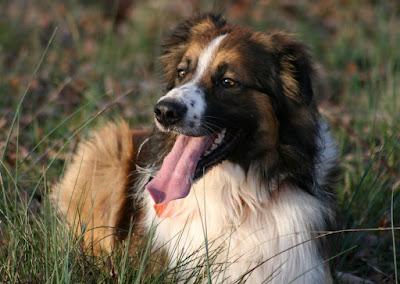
{"x": 249, "y": 92}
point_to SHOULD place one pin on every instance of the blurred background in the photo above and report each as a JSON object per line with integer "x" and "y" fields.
{"x": 67, "y": 66}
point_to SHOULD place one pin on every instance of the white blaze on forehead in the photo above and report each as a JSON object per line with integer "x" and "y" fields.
{"x": 206, "y": 57}
{"x": 190, "y": 93}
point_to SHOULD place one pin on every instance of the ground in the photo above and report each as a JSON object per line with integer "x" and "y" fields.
{"x": 67, "y": 66}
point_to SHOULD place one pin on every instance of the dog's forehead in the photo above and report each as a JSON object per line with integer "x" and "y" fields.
{"x": 203, "y": 55}
{"x": 213, "y": 52}
{"x": 198, "y": 45}
{"x": 231, "y": 40}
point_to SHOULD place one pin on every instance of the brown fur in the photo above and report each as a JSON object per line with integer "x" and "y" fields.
{"x": 290, "y": 85}
{"x": 269, "y": 123}
{"x": 93, "y": 194}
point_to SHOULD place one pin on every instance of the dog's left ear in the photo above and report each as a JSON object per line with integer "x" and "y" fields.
{"x": 173, "y": 48}
{"x": 295, "y": 67}
{"x": 175, "y": 43}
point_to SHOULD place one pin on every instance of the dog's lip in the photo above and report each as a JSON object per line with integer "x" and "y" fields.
{"x": 224, "y": 148}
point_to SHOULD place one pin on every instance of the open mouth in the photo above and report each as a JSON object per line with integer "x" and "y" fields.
{"x": 189, "y": 159}
{"x": 222, "y": 144}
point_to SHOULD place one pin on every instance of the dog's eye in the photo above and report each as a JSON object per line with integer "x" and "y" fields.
{"x": 181, "y": 73}
{"x": 228, "y": 83}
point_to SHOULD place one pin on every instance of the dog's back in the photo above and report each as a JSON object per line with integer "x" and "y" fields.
{"x": 93, "y": 194}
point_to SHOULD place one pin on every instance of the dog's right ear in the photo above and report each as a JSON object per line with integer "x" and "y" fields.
{"x": 176, "y": 42}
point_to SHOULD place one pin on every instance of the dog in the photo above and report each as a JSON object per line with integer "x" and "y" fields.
{"x": 239, "y": 168}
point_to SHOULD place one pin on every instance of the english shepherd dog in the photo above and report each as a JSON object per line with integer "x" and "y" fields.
{"x": 239, "y": 164}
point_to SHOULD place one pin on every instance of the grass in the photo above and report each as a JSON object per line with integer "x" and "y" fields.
{"x": 65, "y": 67}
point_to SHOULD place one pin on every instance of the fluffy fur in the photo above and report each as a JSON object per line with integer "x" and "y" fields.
{"x": 94, "y": 192}
{"x": 255, "y": 211}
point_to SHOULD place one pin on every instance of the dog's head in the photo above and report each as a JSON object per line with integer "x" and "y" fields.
{"x": 233, "y": 94}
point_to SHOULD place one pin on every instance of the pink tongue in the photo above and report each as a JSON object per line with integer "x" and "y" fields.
{"x": 174, "y": 179}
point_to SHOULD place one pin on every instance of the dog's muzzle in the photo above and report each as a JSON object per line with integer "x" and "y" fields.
{"x": 170, "y": 112}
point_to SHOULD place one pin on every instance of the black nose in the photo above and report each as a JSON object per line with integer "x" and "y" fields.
{"x": 169, "y": 112}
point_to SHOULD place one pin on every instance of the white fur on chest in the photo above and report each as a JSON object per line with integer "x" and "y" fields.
{"x": 241, "y": 227}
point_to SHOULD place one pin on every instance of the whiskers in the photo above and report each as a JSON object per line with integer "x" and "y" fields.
{"x": 210, "y": 125}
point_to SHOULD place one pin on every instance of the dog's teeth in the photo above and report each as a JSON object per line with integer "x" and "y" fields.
{"x": 216, "y": 142}
{"x": 214, "y": 146}
{"x": 220, "y": 136}
{"x": 218, "y": 139}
